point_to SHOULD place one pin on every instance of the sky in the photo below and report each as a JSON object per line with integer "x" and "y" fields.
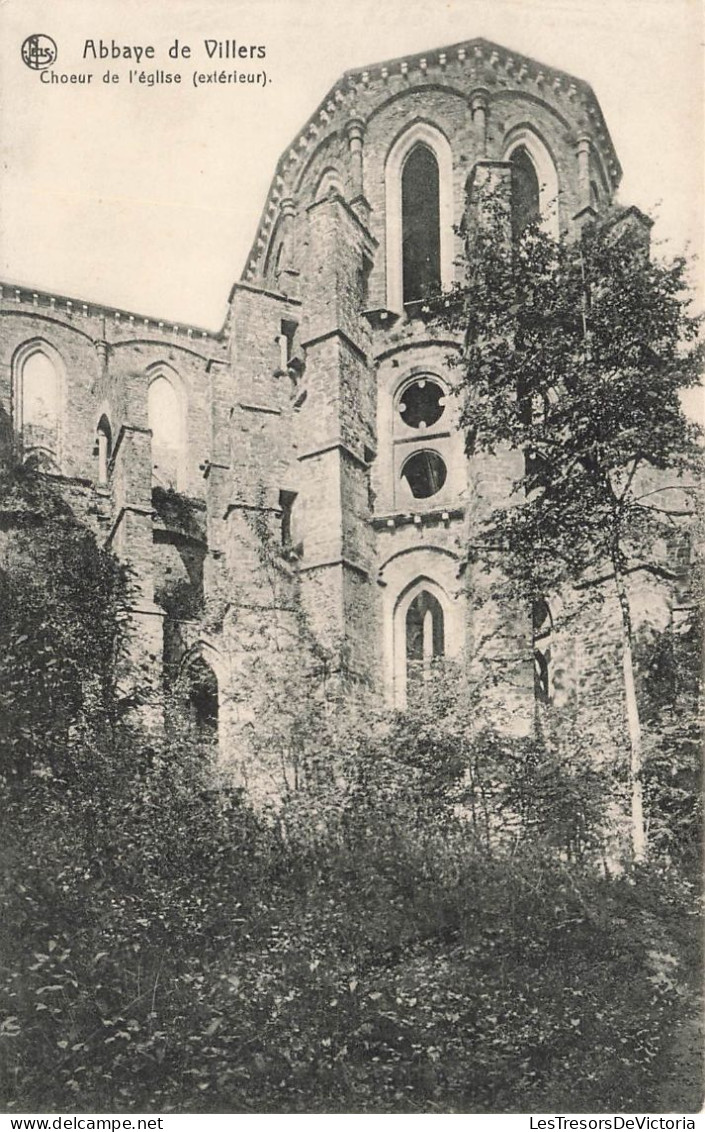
{"x": 147, "y": 197}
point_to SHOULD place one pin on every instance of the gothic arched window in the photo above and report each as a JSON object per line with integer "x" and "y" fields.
{"x": 420, "y": 218}
{"x": 165, "y": 417}
{"x": 38, "y": 409}
{"x": 425, "y": 627}
{"x": 425, "y": 634}
{"x": 202, "y": 700}
{"x": 418, "y": 180}
{"x": 330, "y": 184}
{"x": 526, "y": 195}
{"x": 534, "y": 183}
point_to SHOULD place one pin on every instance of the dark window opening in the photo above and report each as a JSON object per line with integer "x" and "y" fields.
{"x": 286, "y": 502}
{"x": 104, "y": 449}
{"x": 369, "y": 455}
{"x": 291, "y": 534}
{"x": 425, "y": 640}
{"x": 203, "y": 699}
{"x": 422, "y": 404}
{"x": 288, "y": 333}
{"x": 420, "y": 218}
{"x": 291, "y": 358}
{"x": 526, "y": 208}
{"x": 425, "y": 474}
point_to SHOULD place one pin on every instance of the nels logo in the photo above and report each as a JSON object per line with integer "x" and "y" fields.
{"x": 39, "y": 51}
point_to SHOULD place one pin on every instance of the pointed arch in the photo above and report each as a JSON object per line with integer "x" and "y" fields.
{"x": 275, "y": 254}
{"x": 203, "y": 698}
{"x": 329, "y": 183}
{"x": 419, "y": 211}
{"x": 526, "y": 192}
{"x": 166, "y": 417}
{"x": 199, "y": 684}
{"x": 422, "y": 620}
{"x": 425, "y": 631}
{"x": 39, "y": 402}
{"x": 420, "y": 225}
{"x": 525, "y": 146}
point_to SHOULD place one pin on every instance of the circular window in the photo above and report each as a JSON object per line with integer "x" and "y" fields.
{"x": 425, "y": 473}
{"x": 422, "y": 403}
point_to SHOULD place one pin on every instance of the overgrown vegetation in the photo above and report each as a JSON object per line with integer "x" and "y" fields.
{"x": 576, "y": 355}
{"x": 429, "y": 924}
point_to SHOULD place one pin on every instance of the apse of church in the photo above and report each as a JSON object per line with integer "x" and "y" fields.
{"x": 296, "y": 485}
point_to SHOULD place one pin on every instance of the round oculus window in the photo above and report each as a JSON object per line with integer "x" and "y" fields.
{"x": 425, "y": 473}
{"x": 422, "y": 403}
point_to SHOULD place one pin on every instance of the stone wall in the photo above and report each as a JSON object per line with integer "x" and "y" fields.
{"x": 289, "y": 545}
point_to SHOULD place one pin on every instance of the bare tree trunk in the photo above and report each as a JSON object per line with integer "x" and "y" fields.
{"x": 633, "y": 723}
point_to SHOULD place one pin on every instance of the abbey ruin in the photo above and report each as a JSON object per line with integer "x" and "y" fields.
{"x": 296, "y": 485}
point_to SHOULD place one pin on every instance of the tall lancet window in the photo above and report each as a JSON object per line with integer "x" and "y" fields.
{"x": 200, "y": 701}
{"x": 39, "y": 404}
{"x": 420, "y": 217}
{"x": 166, "y": 422}
{"x": 526, "y": 194}
{"x": 424, "y": 634}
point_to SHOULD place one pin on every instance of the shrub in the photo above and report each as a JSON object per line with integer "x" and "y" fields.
{"x": 420, "y": 927}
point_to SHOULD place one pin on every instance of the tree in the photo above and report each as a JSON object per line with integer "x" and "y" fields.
{"x": 60, "y": 634}
{"x": 576, "y": 354}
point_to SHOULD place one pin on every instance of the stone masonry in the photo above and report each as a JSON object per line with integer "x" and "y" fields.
{"x": 304, "y": 515}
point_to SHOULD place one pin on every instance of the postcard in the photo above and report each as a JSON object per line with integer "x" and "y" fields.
{"x": 350, "y": 622}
